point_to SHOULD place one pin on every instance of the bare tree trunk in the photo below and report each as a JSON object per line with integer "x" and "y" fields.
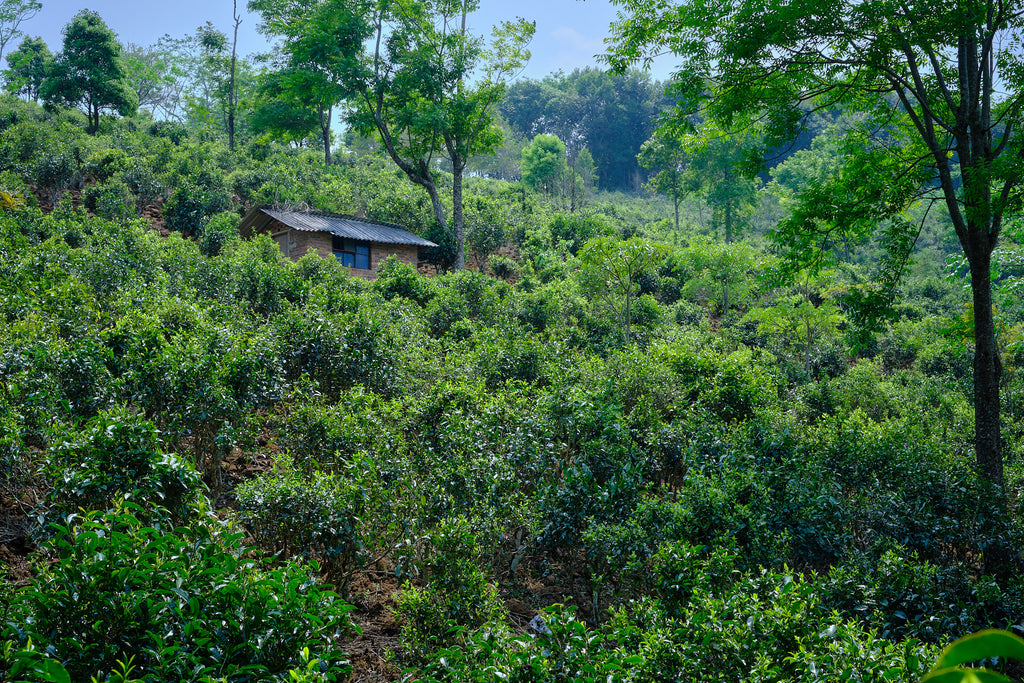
{"x": 232, "y": 99}
{"x": 458, "y": 223}
{"x": 987, "y": 371}
{"x": 728, "y": 221}
{"x": 675, "y": 202}
{"x": 325, "y": 131}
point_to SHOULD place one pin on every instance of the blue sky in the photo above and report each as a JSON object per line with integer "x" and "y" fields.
{"x": 569, "y": 32}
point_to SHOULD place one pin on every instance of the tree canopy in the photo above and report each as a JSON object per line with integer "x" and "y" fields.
{"x": 89, "y": 71}
{"x": 27, "y": 68}
{"x": 612, "y": 115}
{"x": 544, "y": 163}
{"x": 940, "y": 84}
{"x": 13, "y": 13}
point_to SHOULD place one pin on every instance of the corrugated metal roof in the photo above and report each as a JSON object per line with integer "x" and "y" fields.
{"x": 347, "y": 226}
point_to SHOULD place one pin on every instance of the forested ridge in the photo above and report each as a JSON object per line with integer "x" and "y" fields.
{"x": 700, "y": 405}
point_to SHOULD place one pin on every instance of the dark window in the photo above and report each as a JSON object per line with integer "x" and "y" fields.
{"x": 351, "y": 253}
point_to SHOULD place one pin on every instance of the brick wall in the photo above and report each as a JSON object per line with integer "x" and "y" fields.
{"x": 300, "y": 241}
{"x": 295, "y": 244}
{"x": 406, "y": 253}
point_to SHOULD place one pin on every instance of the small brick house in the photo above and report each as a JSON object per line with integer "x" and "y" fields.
{"x": 358, "y": 243}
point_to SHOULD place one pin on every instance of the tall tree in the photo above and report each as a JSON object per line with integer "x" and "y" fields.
{"x": 187, "y": 80}
{"x": 147, "y": 72}
{"x": 544, "y": 165}
{"x": 417, "y": 91}
{"x": 232, "y": 93}
{"x": 27, "y": 68}
{"x": 276, "y": 114}
{"x": 941, "y": 84}
{"x": 89, "y": 71}
{"x": 664, "y": 155}
{"x": 14, "y": 13}
{"x": 717, "y": 171}
{"x": 322, "y": 40}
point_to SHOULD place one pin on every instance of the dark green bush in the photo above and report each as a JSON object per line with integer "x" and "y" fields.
{"x": 105, "y": 163}
{"x": 502, "y": 266}
{"x": 12, "y": 446}
{"x": 56, "y": 170}
{"x": 117, "y": 457}
{"x": 142, "y": 182}
{"x": 645, "y": 312}
{"x": 312, "y": 517}
{"x": 395, "y": 278}
{"x": 192, "y": 203}
{"x": 340, "y": 351}
{"x": 172, "y": 130}
{"x": 183, "y": 603}
{"x": 455, "y": 596}
{"x": 111, "y": 200}
{"x": 219, "y": 231}
{"x": 892, "y": 590}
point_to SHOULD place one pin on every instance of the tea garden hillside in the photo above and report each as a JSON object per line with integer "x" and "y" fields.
{"x": 651, "y": 431}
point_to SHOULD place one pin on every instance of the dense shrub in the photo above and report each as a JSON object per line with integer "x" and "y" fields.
{"x": 111, "y": 200}
{"x": 312, "y": 517}
{"x": 220, "y": 230}
{"x": 191, "y": 204}
{"x": 455, "y": 596}
{"x": 117, "y": 457}
{"x": 12, "y": 449}
{"x": 340, "y": 351}
{"x": 183, "y": 603}
{"x": 395, "y": 278}
{"x": 502, "y": 266}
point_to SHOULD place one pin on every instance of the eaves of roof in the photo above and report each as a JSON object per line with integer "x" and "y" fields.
{"x": 347, "y": 226}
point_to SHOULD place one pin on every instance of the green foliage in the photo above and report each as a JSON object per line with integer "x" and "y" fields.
{"x": 313, "y": 517}
{"x": 983, "y": 645}
{"x": 610, "y": 269}
{"x": 395, "y": 278}
{"x": 27, "y": 67}
{"x": 112, "y": 201}
{"x": 183, "y": 603}
{"x": 423, "y": 54}
{"x": 760, "y": 627}
{"x": 716, "y": 170}
{"x": 29, "y": 661}
{"x": 89, "y": 71}
{"x": 192, "y": 204}
{"x": 502, "y": 267}
{"x": 117, "y": 457}
{"x": 892, "y": 160}
{"x": 664, "y": 154}
{"x": 340, "y": 351}
{"x": 455, "y": 596}
{"x": 479, "y": 437}
{"x": 612, "y": 115}
{"x": 715, "y": 274}
{"x": 544, "y": 164}
{"x": 219, "y": 232}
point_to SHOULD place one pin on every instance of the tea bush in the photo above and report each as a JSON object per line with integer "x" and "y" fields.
{"x": 314, "y": 517}
{"x": 182, "y": 602}
{"x": 117, "y": 457}
{"x": 111, "y": 200}
{"x": 455, "y": 594}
